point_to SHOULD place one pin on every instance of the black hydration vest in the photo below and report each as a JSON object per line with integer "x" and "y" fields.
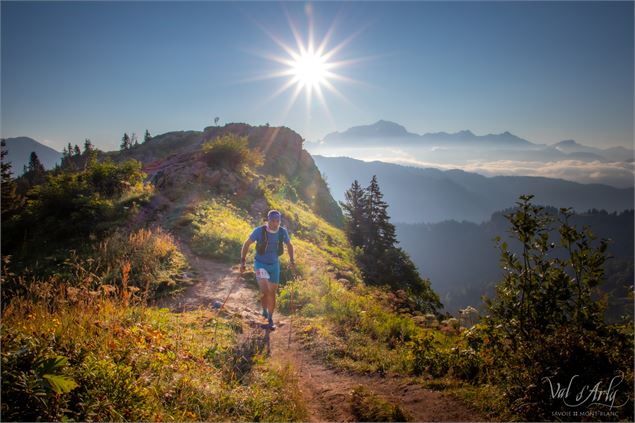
{"x": 261, "y": 244}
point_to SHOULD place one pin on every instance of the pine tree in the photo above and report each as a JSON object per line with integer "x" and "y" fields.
{"x": 125, "y": 141}
{"x": 77, "y": 151}
{"x": 88, "y": 146}
{"x": 354, "y": 213}
{"x": 147, "y": 137}
{"x": 368, "y": 227}
{"x": 10, "y": 199}
{"x": 35, "y": 172}
{"x": 380, "y": 231}
{"x": 68, "y": 158}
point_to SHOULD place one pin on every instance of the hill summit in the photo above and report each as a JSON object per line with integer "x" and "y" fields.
{"x": 176, "y": 159}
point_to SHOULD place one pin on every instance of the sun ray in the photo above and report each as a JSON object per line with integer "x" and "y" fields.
{"x": 292, "y": 100}
{"x": 329, "y": 115}
{"x": 296, "y": 34}
{"x": 310, "y": 64}
{"x": 344, "y": 43}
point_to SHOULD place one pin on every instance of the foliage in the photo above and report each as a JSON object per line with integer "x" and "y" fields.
{"x": 73, "y": 159}
{"x": 97, "y": 360}
{"x": 153, "y": 262}
{"x": 368, "y": 407}
{"x": 137, "y": 266}
{"x": 354, "y": 211}
{"x": 217, "y": 229}
{"x": 126, "y": 142}
{"x": 34, "y": 174}
{"x": 350, "y": 326}
{"x": 369, "y": 229}
{"x": 544, "y": 324}
{"x": 10, "y": 201}
{"x": 71, "y": 205}
{"x": 231, "y": 152}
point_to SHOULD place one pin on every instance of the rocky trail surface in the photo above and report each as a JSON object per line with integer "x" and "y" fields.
{"x": 326, "y": 391}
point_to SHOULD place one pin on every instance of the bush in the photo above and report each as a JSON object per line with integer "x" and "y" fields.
{"x": 34, "y": 380}
{"x": 231, "y": 152}
{"x": 544, "y": 324}
{"x": 427, "y": 357}
{"x": 149, "y": 258}
{"x": 368, "y": 407}
{"x": 72, "y": 205}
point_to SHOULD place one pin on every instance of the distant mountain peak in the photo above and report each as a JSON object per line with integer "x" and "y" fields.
{"x": 566, "y": 143}
{"x": 383, "y": 128}
{"x": 20, "y": 149}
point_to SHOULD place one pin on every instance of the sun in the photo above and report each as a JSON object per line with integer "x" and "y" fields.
{"x": 309, "y": 67}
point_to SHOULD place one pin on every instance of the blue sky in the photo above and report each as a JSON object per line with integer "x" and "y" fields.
{"x": 544, "y": 71}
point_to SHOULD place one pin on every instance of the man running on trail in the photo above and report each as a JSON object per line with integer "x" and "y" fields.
{"x": 269, "y": 240}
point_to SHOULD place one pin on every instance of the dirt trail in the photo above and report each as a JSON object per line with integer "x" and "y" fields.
{"x": 327, "y": 392}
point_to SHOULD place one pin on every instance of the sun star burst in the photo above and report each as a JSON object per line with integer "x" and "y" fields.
{"x": 309, "y": 67}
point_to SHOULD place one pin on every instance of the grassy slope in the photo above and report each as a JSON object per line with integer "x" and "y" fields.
{"x": 342, "y": 321}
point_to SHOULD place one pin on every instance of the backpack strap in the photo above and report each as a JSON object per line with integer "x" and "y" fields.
{"x": 261, "y": 246}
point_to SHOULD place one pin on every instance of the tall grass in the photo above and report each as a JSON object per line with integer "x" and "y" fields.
{"x": 132, "y": 363}
{"x": 217, "y": 229}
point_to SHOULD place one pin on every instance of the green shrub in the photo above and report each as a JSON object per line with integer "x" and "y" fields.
{"x": 231, "y": 152}
{"x": 34, "y": 380}
{"x": 72, "y": 205}
{"x": 544, "y": 324}
{"x": 427, "y": 356}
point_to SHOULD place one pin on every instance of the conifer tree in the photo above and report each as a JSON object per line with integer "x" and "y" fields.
{"x": 147, "y": 137}
{"x": 381, "y": 231}
{"x": 88, "y": 146}
{"x": 125, "y": 142}
{"x": 9, "y": 198}
{"x": 77, "y": 151}
{"x": 35, "y": 173}
{"x": 354, "y": 213}
{"x": 381, "y": 261}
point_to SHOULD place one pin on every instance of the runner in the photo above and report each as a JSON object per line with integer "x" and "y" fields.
{"x": 270, "y": 240}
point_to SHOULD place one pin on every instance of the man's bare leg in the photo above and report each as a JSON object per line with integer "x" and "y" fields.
{"x": 272, "y": 288}
{"x": 264, "y": 292}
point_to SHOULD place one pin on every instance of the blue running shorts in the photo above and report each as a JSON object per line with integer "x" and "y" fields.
{"x": 267, "y": 271}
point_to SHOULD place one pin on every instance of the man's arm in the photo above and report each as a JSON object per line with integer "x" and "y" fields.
{"x": 243, "y": 253}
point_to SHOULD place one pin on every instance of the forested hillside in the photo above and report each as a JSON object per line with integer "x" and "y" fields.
{"x": 462, "y": 260}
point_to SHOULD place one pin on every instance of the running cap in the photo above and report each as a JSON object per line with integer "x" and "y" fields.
{"x": 274, "y": 214}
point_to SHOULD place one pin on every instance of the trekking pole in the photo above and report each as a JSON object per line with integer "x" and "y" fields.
{"x": 223, "y": 304}
{"x": 231, "y": 289}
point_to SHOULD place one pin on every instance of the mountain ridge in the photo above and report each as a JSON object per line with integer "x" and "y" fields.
{"x": 432, "y": 195}
{"x": 395, "y": 130}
